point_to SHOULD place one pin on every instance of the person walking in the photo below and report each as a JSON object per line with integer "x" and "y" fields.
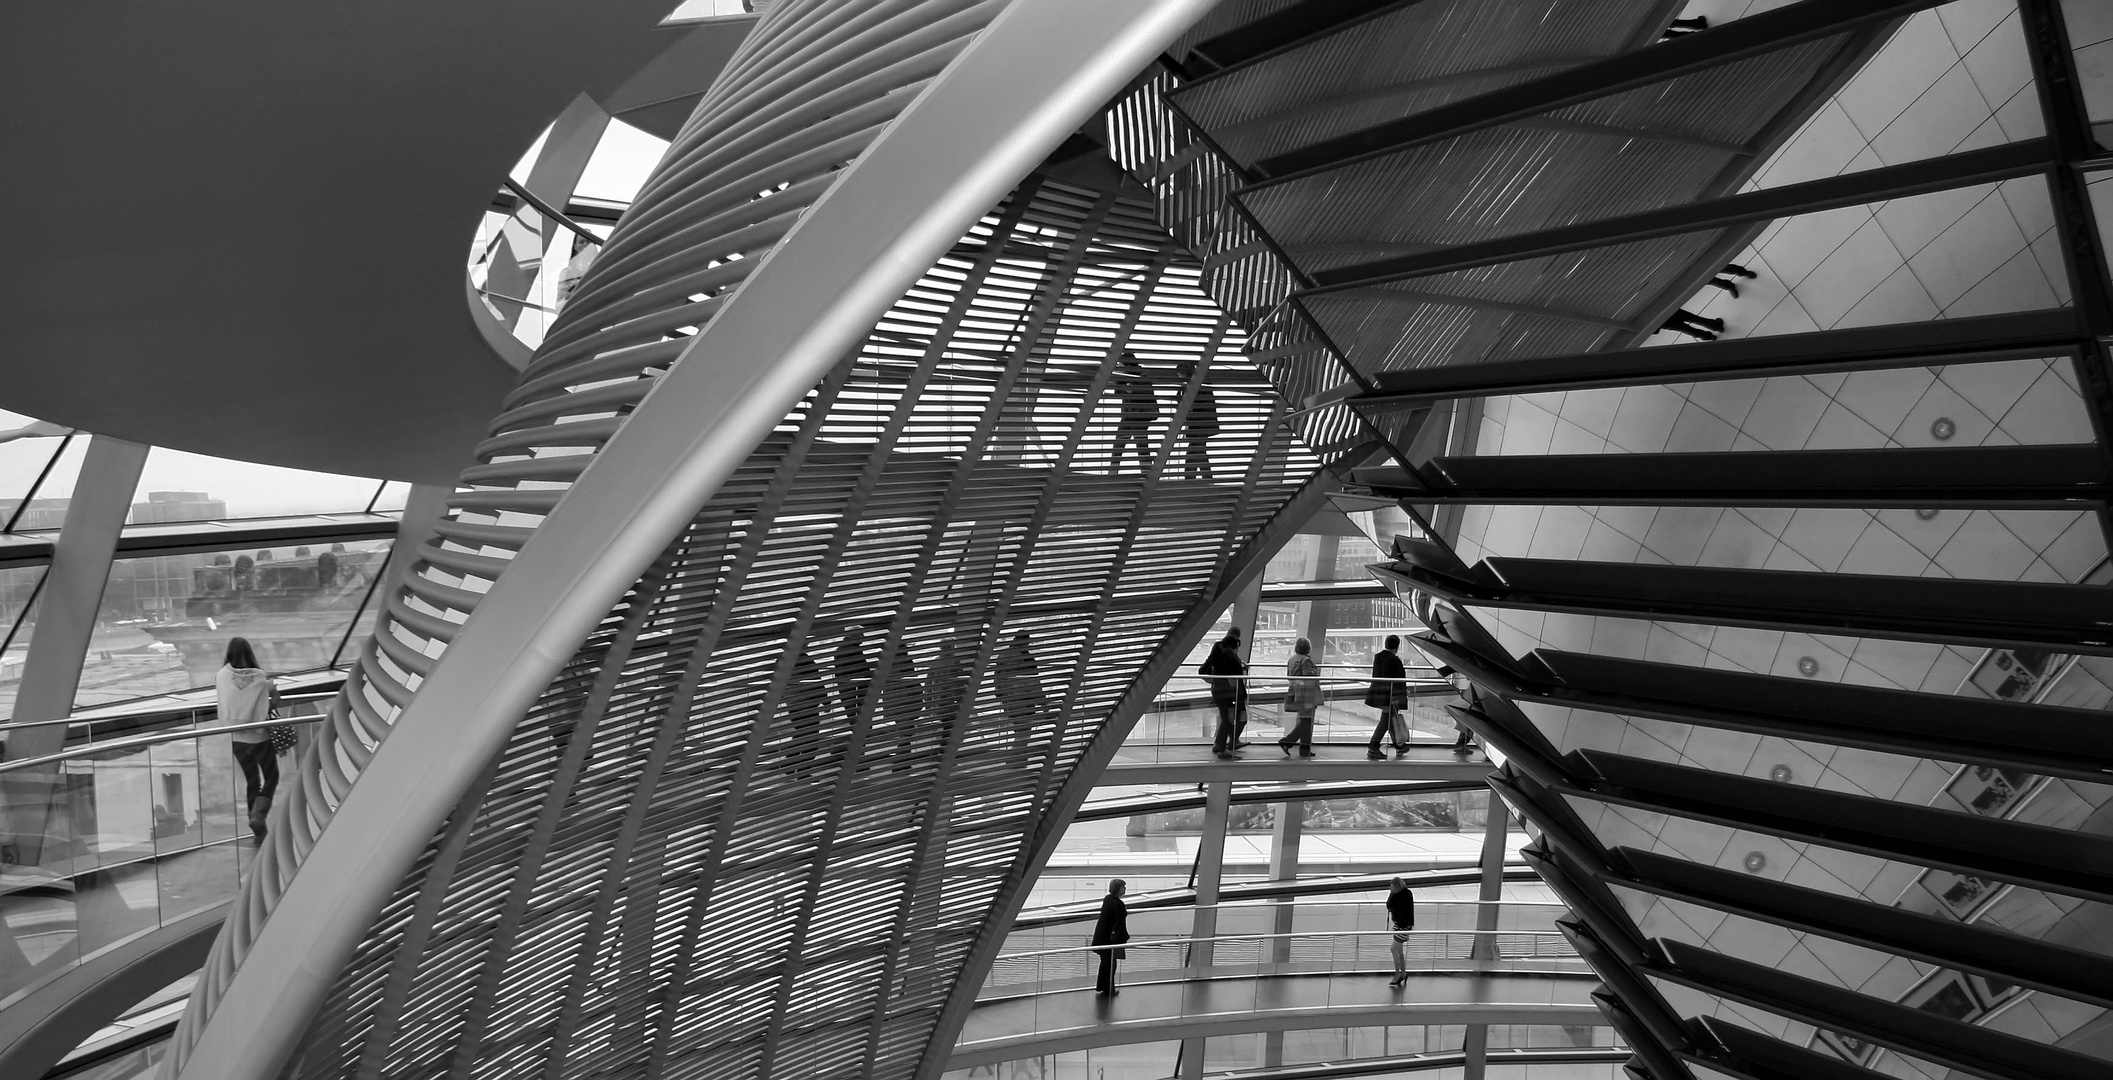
{"x": 1301, "y": 699}
{"x": 1228, "y": 679}
{"x": 1020, "y": 688}
{"x": 854, "y": 673}
{"x": 245, "y": 695}
{"x": 1139, "y": 410}
{"x": 1199, "y": 427}
{"x": 1401, "y": 913}
{"x": 1110, "y": 931}
{"x": 1390, "y": 695}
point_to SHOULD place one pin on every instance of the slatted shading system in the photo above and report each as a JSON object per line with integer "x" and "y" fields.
{"x": 711, "y": 851}
{"x": 1838, "y": 816}
{"x": 732, "y": 837}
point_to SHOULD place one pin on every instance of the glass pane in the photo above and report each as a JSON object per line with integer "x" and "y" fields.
{"x": 47, "y": 504}
{"x": 25, "y": 448}
{"x": 166, "y": 619}
{"x": 179, "y": 486}
{"x": 116, "y": 903}
{"x": 18, "y": 590}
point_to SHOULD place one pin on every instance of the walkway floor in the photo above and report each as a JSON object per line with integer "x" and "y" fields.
{"x": 1066, "y": 1020}
{"x": 1264, "y": 763}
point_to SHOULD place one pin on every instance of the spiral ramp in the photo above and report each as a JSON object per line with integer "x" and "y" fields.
{"x": 599, "y": 813}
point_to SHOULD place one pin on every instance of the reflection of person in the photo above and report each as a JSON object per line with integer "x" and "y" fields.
{"x": 1110, "y": 931}
{"x": 244, "y": 694}
{"x": 1302, "y": 698}
{"x": 1228, "y": 679}
{"x": 1390, "y": 695}
{"x": 1401, "y": 912}
{"x": 854, "y": 673}
{"x": 1199, "y": 428}
{"x": 1140, "y": 409}
{"x": 1020, "y": 688}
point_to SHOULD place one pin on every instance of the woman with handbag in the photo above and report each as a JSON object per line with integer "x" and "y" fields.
{"x": 245, "y": 695}
{"x": 1302, "y": 699}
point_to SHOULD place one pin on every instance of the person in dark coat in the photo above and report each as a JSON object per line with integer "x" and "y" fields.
{"x": 1401, "y": 913}
{"x": 1020, "y": 689}
{"x": 854, "y": 673}
{"x": 1228, "y": 679}
{"x": 1199, "y": 428}
{"x": 1390, "y": 695}
{"x": 1139, "y": 410}
{"x": 1110, "y": 931}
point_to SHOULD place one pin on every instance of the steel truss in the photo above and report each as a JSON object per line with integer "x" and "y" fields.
{"x": 1343, "y": 323}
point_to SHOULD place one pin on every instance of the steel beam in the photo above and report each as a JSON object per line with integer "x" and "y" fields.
{"x": 1982, "y": 338}
{"x": 1754, "y": 1056}
{"x": 1750, "y": 36}
{"x": 2041, "y": 739}
{"x": 1985, "y": 166}
{"x": 2037, "y": 856}
{"x": 2063, "y": 477}
{"x": 2067, "y": 618}
{"x": 1983, "y": 1051}
{"x": 1997, "y": 954}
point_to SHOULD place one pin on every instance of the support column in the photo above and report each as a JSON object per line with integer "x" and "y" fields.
{"x": 73, "y": 591}
{"x": 1477, "y": 1051}
{"x": 66, "y": 610}
{"x": 1314, "y": 627}
{"x": 1493, "y": 834}
{"x": 1283, "y": 867}
{"x": 1210, "y": 873}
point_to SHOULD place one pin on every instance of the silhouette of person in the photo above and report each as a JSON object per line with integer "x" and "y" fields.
{"x": 1199, "y": 428}
{"x": 1228, "y": 679}
{"x": 1110, "y": 931}
{"x": 1020, "y": 688}
{"x": 1139, "y": 411}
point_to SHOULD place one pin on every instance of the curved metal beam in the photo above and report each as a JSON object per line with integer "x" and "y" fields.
{"x": 38, "y": 1030}
{"x": 1038, "y": 71}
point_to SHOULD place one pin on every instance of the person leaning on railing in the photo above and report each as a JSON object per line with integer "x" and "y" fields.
{"x": 245, "y": 695}
{"x": 1390, "y": 695}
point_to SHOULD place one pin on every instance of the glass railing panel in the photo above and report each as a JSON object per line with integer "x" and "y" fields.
{"x": 1183, "y": 713}
{"x": 176, "y": 797}
{"x": 108, "y": 841}
{"x": 192, "y": 881}
{"x": 116, "y": 902}
{"x": 39, "y": 912}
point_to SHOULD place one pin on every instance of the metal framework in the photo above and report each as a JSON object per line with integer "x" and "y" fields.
{"x": 1344, "y": 190}
{"x": 642, "y": 812}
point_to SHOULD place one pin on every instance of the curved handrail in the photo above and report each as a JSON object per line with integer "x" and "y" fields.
{"x": 551, "y": 212}
{"x": 294, "y": 696}
{"x": 1213, "y": 939}
{"x": 136, "y": 741}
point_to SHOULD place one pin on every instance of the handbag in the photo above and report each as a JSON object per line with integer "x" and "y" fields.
{"x": 283, "y": 738}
